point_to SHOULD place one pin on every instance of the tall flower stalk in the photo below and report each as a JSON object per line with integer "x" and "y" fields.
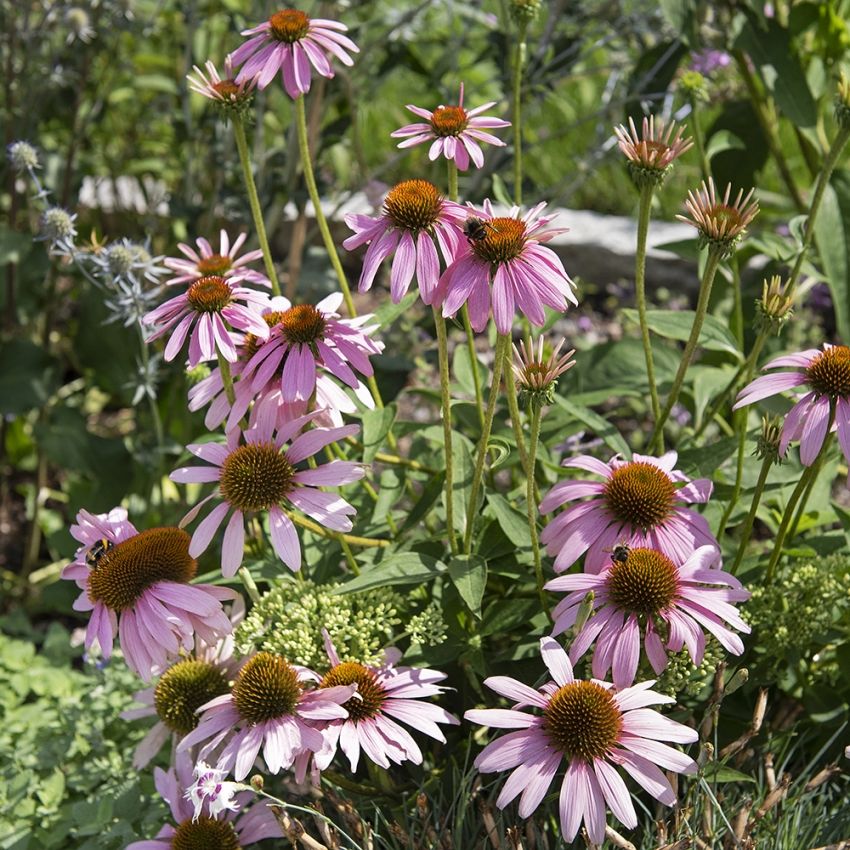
{"x": 518, "y": 65}
{"x": 446, "y": 410}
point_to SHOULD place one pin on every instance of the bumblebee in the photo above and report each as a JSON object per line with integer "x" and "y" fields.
{"x": 475, "y": 229}
{"x": 97, "y": 550}
{"x": 620, "y": 553}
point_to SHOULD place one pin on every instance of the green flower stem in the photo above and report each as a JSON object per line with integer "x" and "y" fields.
{"x": 250, "y": 584}
{"x": 503, "y": 341}
{"x": 157, "y": 419}
{"x": 451, "y": 167}
{"x": 747, "y": 527}
{"x": 337, "y": 535}
{"x": 254, "y": 201}
{"x": 740, "y": 424}
{"x": 363, "y": 542}
{"x": 446, "y": 405}
{"x": 738, "y": 308}
{"x": 313, "y": 190}
{"x": 699, "y": 140}
{"x": 644, "y": 214}
{"x": 657, "y": 439}
{"x": 802, "y": 484}
{"x": 531, "y": 502}
{"x": 513, "y": 408}
{"x": 801, "y": 508}
{"x": 518, "y": 64}
{"x": 226, "y": 378}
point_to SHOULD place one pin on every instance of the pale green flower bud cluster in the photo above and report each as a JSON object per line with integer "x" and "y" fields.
{"x": 428, "y": 628}
{"x": 796, "y": 614}
{"x": 694, "y": 86}
{"x": 682, "y": 677}
{"x": 524, "y": 12}
{"x": 289, "y": 619}
{"x": 23, "y": 157}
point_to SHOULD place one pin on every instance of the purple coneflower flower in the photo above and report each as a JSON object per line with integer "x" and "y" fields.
{"x": 415, "y": 219}
{"x": 508, "y": 252}
{"x": 825, "y": 406}
{"x": 643, "y": 590}
{"x": 136, "y": 584}
{"x": 182, "y": 689}
{"x": 593, "y": 727}
{"x": 639, "y": 502}
{"x": 268, "y": 708}
{"x": 204, "y": 262}
{"x": 453, "y": 132}
{"x": 304, "y": 339}
{"x": 199, "y": 825}
{"x": 651, "y": 152}
{"x": 385, "y": 695}
{"x": 260, "y": 476}
{"x": 206, "y": 304}
{"x": 720, "y": 222}
{"x": 225, "y": 91}
{"x": 290, "y": 42}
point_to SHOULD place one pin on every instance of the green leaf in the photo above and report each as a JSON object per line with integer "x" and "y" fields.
{"x": 389, "y": 312}
{"x": 677, "y": 324}
{"x": 832, "y": 234}
{"x": 599, "y": 426}
{"x": 462, "y": 480}
{"x": 462, "y": 370}
{"x": 399, "y": 569}
{"x": 499, "y": 449}
{"x": 430, "y": 494}
{"x": 769, "y": 46}
{"x": 28, "y": 376}
{"x": 469, "y": 575}
{"x": 14, "y": 246}
{"x": 513, "y": 523}
{"x": 723, "y": 140}
{"x": 376, "y": 426}
{"x": 715, "y": 772}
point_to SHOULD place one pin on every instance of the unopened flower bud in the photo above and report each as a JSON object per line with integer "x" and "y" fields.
{"x": 524, "y": 12}
{"x": 537, "y": 375}
{"x": 694, "y": 86}
{"x": 767, "y": 443}
{"x": 257, "y": 782}
{"x": 584, "y": 611}
{"x": 22, "y": 156}
{"x": 842, "y": 103}
{"x": 775, "y": 306}
{"x": 738, "y": 680}
{"x": 706, "y": 754}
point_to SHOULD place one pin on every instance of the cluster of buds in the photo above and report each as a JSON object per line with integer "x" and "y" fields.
{"x": 767, "y": 442}
{"x": 537, "y": 375}
{"x": 775, "y": 306}
{"x": 524, "y": 12}
{"x": 694, "y": 87}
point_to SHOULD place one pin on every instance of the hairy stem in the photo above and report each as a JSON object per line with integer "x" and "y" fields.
{"x": 531, "y": 502}
{"x": 519, "y": 62}
{"x": 446, "y": 405}
{"x": 747, "y": 527}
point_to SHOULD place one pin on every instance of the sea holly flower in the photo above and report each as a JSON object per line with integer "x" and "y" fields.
{"x": 592, "y": 727}
{"x": 269, "y": 708}
{"x": 201, "y": 825}
{"x": 385, "y": 695}
{"x": 204, "y": 262}
{"x": 205, "y": 305}
{"x": 182, "y": 689}
{"x": 524, "y": 273}
{"x": 640, "y": 503}
{"x": 453, "y": 131}
{"x": 719, "y": 221}
{"x": 416, "y": 219}
{"x": 259, "y": 475}
{"x": 290, "y": 42}
{"x": 305, "y": 338}
{"x": 223, "y": 91}
{"x": 650, "y": 153}
{"x": 136, "y": 584}
{"x": 825, "y": 376}
{"x": 642, "y": 589}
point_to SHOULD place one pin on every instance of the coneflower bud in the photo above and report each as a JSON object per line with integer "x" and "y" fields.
{"x": 524, "y": 12}
{"x": 650, "y": 153}
{"x": 842, "y": 103}
{"x": 767, "y": 442}
{"x": 537, "y": 375}
{"x": 775, "y": 306}
{"x": 694, "y": 87}
{"x": 720, "y": 222}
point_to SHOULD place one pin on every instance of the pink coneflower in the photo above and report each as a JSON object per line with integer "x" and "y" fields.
{"x": 204, "y": 262}
{"x": 536, "y": 374}
{"x": 206, "y": 304}
{"x": 826, "y": 376}
{"x": 259, "y": 475}
{"x": 200, "y": 826}
{"x": 306, "y": 338}
{"x": 268, "y": 708}
{"x": 643, "y": 590}
{"x": 719, "y": 221}
{"x": 453, "y": 132}
{"x": 225, "y": 91}
{"x": 416, "y": 218}
{"x": 182, "y": 689}
{"x": 385, "y": 694}
{"x": 595, "y": 729}
{"x": 289, "y": 42}
{"x": 651, "y": 152}
{"x": 525, "y": 275}
{"x": 137, "y": 584}
{"x": 639, "y": 502}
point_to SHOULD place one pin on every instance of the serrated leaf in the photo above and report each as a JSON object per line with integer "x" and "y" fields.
{"x": 469, "y": 575}
{"x": 399, "y": 569}
{"x": 677, "y": 324}
{"x": 376, "y": 425}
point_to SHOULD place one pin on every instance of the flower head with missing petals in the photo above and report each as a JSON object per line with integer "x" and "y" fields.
{"x": 592, "y": 727}
{"x": 509, "y": 267}
{"x": 453, "y": 131}
{"x": 257, "y": 472}
{"x": 223, "y": 91}
{"x": 650, "y": 153}
{"x": 719, "y": 221}
{"x": 644, "y": 500}
{"x": 415, "y": 220}
{"x": 642, "y": 589}
{"x": 825, "y": 376}
{"x": 290, "y": 42}
{"x": 537, "y": 375}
